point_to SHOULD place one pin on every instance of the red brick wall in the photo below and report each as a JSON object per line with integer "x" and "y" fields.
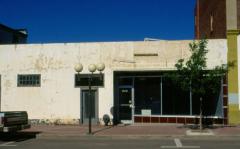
{"x": 196, "y": 21}
{"x": 203, "y": 11}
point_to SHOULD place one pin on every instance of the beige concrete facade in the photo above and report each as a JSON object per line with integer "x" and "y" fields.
{"x": 231, "y": 8}
{"x": 238, "y": 65}
{"x": 57, "y": 98}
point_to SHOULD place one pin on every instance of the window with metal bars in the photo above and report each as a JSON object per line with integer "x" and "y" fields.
{"x": 30, "y": 80}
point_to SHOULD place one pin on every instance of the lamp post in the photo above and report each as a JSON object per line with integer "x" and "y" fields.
{"x": 91, "y": 68}
{"x": 78, "y": 68}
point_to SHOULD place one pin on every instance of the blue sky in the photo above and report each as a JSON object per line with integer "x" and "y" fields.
{"x": 99, "y": 20}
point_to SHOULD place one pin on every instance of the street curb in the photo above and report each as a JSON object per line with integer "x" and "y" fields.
{"x": 105, "y": 136}
{"x": 53, "y": 136}
{"x": 199, "y": 133}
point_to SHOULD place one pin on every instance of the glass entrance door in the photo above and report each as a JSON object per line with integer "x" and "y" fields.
{"x": 89, "y": 105}
{"x": 125, "y": 104}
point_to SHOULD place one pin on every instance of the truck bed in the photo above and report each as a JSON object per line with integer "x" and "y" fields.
{"x": 13, "y": 121}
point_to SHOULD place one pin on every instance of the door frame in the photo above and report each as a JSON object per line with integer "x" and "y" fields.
{"x": 96, "y": 120}
{"x": 132, "y": 98}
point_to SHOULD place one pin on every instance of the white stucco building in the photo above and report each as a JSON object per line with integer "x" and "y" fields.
{"x": 40, "y": 79}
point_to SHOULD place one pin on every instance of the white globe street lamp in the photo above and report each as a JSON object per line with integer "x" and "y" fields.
{"x": 100, "y": 67}
{"x": 91, "y": 68}
{"x": 78, "y": 67}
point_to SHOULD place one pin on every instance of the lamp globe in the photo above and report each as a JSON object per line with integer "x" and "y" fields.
{"x": 100, "y": 67}
{"x": 78, "y": 67}
{"x": 92, "y": 68}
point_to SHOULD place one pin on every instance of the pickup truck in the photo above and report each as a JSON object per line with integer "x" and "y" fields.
{"x": 13, "y": 121}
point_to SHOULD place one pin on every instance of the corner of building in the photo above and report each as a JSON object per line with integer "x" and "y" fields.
{"x": 233, "y": 38}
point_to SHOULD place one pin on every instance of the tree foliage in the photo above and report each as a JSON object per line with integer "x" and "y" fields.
{"x": 193, "y": 72}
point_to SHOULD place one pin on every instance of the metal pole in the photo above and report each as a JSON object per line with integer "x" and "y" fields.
{"x": 81, "y": 109}
{"x": 161, "y": 95}
{"x": 201, "y": 115}
{"x": 190, "y": 97}
{"x": 89, "y": 106}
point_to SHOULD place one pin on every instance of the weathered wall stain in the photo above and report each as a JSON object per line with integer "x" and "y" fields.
{"x": 44, "y": 63}
{"x": 7, "y": 84}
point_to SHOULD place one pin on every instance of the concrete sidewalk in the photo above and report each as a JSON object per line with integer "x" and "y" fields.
{"x": 136, "y": 130}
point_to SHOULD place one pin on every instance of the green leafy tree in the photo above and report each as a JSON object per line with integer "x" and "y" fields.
{"x": 193, "y": 73}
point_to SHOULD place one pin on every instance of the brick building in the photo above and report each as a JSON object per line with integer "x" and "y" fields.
{"x": 214, "y": 17}
{"x": 220, "y": 19}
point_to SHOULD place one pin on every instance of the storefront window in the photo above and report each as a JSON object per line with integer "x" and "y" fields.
{"x": 160, "y": 95}
{"x": 147, "y": 95}
{"x": 176, "y": 101}
{"x": 212, "y": 101}
{"x": 125, "y": 81}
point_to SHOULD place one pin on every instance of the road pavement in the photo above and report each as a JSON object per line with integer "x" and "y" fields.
{"x": 91, "y": 142}
{"x": 119, "y": 137}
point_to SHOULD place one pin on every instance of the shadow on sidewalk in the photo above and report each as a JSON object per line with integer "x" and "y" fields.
{"x": 110, "y": 127}
{"x": 103, "y": 129}
{"x": 18, "y": 136}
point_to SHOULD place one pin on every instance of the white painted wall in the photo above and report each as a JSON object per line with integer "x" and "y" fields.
{"x": 57, "y": 98}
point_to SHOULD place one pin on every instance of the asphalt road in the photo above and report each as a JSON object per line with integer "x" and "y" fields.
{"x": 19, "y": 142}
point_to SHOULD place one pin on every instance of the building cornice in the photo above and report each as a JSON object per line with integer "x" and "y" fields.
{"x": 233, "y": 32}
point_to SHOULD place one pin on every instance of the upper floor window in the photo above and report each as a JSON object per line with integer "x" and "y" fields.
{"x": 195, "y": 20}
{"x": 211, "y": 22}
{"x": 32, "y": 80}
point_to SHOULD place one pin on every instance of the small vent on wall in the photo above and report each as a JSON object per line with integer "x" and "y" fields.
{"x": 145, "y": 54}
